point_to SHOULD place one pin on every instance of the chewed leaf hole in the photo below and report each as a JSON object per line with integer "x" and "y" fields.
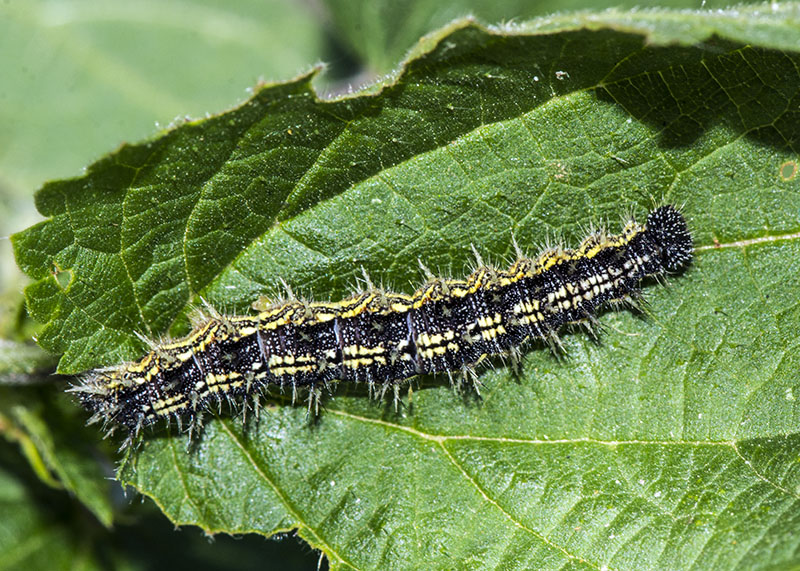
{"x": 788, "y": 170}
{"x": 63, "y": 277}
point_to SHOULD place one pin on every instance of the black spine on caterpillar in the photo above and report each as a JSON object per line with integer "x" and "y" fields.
{"x": 381, "y": 338}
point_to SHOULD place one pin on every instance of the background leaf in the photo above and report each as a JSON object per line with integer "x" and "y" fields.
{"x": 110, "y": 57}
{"x": 381, "y": 32}
{"x": 669, "y": 444}
{"x": 43, "y": 529}
{"x": 57, "y": 445}
{"x": 31, "y": 536}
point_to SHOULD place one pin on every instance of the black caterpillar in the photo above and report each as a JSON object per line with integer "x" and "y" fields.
{"x": 382, "y": 338}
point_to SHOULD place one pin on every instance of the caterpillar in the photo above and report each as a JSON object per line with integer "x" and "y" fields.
{"x": 383, "y": 338}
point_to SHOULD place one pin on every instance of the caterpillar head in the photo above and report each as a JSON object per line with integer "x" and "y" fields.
{"x": 667, "y": 227}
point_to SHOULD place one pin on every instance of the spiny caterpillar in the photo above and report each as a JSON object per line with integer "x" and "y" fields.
{"x": 382, "y": 338}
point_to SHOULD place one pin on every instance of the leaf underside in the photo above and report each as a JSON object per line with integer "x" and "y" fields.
{"x": 669, "y": 443}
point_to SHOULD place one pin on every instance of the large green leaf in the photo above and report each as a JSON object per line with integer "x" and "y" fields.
{"x": 668, "y": 444}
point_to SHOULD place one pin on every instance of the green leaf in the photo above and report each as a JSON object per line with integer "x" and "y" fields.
{"x": 33, "y": 536}
{"x": 61, "y": 451}
{"x": 23, "y": 363}
{"x": 670, "y": 443}
{"x": 42, "y": 529}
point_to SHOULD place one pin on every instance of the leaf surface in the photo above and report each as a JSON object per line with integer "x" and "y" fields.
{"x": 667, "y": 444}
